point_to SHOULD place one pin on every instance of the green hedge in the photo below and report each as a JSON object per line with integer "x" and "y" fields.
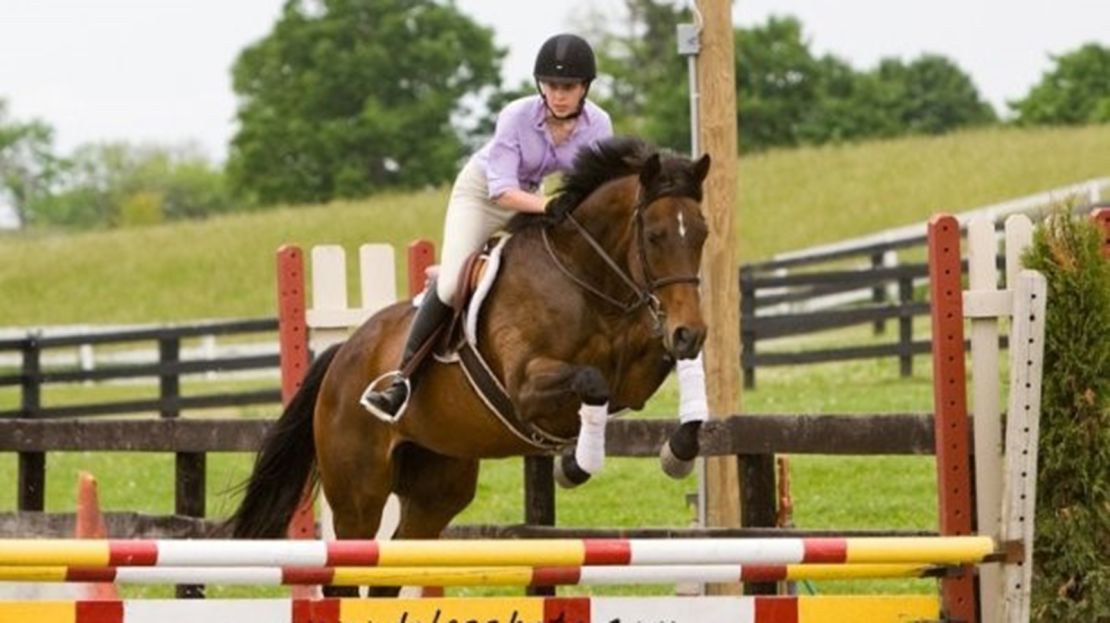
{"x": 1071, "y": 574}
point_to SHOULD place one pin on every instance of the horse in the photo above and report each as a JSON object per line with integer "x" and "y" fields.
{"x": 594, "y": 303}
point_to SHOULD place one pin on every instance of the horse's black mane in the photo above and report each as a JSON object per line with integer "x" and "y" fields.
{"x": 608, "y": 160}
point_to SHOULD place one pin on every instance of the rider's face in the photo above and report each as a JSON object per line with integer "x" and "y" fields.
{"x": 563, "y": 99}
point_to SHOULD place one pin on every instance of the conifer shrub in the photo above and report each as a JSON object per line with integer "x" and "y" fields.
{"x": 1071, "y": 559}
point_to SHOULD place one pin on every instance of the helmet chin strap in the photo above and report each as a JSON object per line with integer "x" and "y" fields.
{"x": 577, "y": 111}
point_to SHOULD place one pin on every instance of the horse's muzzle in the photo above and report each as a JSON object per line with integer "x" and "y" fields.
{"x": 686, "y": 342}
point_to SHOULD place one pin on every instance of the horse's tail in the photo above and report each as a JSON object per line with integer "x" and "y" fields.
{"x": 285, "y": 464}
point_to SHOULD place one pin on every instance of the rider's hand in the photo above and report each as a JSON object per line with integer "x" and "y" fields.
{"x": 557, "y": 208}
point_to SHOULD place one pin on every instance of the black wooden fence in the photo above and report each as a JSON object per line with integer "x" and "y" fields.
{"x": 31, "y": 378}
{"x": 769, "y": 289}
{"x": 35, "y": 429}
{"x": 763, "y": 290}
{"x": 752, "y": 438}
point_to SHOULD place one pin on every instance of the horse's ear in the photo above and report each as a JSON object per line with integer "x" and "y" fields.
{"x": 650, "y": 170}
{"x": 701, "y": 168}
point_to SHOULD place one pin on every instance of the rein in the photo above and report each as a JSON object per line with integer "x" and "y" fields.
{"x": 644, "y": 295}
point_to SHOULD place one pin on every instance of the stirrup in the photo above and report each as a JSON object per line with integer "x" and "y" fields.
{"x": 389, "y": 418}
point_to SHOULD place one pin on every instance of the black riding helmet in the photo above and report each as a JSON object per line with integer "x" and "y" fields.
{"x": 565, "y": 59}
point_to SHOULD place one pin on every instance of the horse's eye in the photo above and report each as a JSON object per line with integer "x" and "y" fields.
{"x": 656, "y": 237}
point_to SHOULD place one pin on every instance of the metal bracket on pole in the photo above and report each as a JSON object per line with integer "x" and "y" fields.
{"x": 689, "y": 40}
{"x": 689, "y": 45}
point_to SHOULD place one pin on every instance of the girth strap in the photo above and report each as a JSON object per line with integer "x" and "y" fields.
{"x": 490, "y": 390}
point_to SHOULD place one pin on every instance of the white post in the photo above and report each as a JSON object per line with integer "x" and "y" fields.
{"x": 1022, "y": 426}
{"x": 983, "y": 282}
{"x": 87, "y": 359}
{"x": 208, "y": 350}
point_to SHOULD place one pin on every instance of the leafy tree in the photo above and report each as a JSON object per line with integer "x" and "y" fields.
{"x": 643, "y": 81}
{"x": 931, "y": 95}
{"x": 778, "y": 83}
{"x": 28, "y": 165}
{"x": 1075, "y": 91}
{"x": 786, "y": 95}
{"x": 346, "y": 97}
{"x": 122, "y": 184}
{"x": 845, "y": 109}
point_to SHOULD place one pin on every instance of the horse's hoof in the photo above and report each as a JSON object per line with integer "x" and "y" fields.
{"x": 567, "y": 472}
{"x": 673, "y": 466}
{"x": 678, "y": 453}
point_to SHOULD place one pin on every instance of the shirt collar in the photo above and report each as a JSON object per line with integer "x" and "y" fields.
{"x": 539, "y": 113}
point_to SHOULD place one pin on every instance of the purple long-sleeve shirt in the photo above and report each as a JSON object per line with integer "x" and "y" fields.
{"x": 521, "y": 153}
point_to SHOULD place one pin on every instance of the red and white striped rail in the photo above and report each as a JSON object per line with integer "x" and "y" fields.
{"x": 471, "y": 553}
{"x": 465, "y": 576}
{"x": 858, "y": 609}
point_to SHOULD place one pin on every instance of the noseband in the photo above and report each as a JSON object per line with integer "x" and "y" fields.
{"x": 644, "y": 295}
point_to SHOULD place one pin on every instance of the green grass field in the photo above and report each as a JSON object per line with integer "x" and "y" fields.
{"x": 223, "y": 268}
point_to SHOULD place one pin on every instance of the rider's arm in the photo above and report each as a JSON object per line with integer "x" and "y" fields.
{"x": 505, "y": 157}
{"x": 521, "y": 201}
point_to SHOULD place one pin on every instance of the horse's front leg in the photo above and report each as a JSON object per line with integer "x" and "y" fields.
{"x": 551, "y": 386}
{"x": 678, "y": 453}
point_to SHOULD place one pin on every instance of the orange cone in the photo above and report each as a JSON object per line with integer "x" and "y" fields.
{"x": 90, "y": 525}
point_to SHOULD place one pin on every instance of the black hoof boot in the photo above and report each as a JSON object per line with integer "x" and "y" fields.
{"x": 568, "y": 474}
{"x": 678, "y": 453}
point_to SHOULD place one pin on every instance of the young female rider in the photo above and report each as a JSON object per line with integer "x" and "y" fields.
{"x": 535, "y": 136}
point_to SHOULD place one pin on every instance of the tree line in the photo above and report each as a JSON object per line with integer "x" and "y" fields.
{"x": 356, "y": 96}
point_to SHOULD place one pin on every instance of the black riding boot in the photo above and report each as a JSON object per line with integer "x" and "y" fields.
{"x": 431, "y": 313}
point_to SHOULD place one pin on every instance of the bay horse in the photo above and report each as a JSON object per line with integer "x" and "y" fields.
{"x": 593, "y": 305}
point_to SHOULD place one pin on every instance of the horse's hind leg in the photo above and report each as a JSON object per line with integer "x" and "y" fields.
{"x": 433, "y": 488}
{"x": 357, "y": 485}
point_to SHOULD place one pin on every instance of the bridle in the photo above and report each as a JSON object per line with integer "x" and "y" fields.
{"x": 644, "y": 295}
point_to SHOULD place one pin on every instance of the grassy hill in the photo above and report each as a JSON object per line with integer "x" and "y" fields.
{"x": 223, "y": 267}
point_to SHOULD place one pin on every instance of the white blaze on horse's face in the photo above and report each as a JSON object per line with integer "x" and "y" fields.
{"x": 673, "y": 237}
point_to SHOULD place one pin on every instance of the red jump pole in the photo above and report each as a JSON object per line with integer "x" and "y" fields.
{"x": 422, "y": 254}
{"x": 293, "y": 340}
{"x": 950, "y": 404}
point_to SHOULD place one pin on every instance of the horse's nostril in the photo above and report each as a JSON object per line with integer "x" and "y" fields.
{"x": 686, "y": 342}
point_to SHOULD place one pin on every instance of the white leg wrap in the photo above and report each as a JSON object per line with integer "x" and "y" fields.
{"x": 590, "y": 451}
{"x": 692, "y": 403}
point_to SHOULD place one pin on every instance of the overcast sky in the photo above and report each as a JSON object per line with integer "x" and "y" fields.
{"x": 158, "y": 70}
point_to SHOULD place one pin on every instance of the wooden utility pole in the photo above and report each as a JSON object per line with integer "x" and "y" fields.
{"x": 720, "y": 294}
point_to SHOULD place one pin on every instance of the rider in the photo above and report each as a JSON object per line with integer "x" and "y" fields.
{"x": 535, "y": 136}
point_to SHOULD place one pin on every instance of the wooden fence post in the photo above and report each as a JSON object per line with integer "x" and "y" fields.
{"x": 32, "y": 465}
{"x": 905, "y": 326}
{"x": 757, "y": 504}
{"x": 539, "y": 501}
{"x": 747, "y": 335}
{"x": 189, "y": 467}
{"x": 878, "y": 293}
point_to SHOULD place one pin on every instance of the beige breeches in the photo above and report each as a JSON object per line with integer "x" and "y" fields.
{"x": 472, "y": 217}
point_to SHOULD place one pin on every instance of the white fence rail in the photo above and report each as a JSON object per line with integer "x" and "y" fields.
{"x": 1088, "y": 192}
